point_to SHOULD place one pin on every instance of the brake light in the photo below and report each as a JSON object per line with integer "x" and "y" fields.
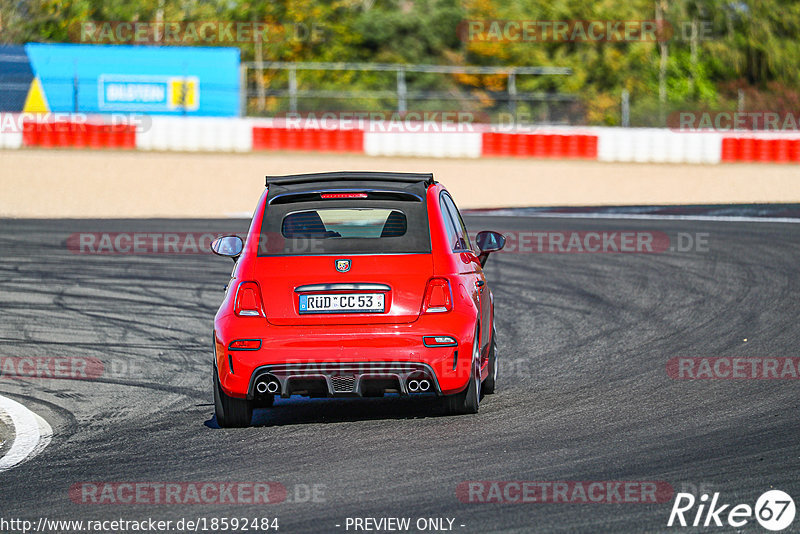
{"x": 248, "y": 300}
{"x": 438, "y": 296}
{"x": 344, "y": 195}
{"x": 245, "y": 344}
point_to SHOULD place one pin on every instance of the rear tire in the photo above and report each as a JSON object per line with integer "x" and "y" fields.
{"x": 468, "y": 401}
{"x": 230, "y": 411}
{"x": 491, "y": 381}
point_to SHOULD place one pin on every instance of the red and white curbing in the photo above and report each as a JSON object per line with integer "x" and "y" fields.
{"x": 207, "y": 134}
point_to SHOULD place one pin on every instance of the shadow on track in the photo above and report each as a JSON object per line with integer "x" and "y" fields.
{"x": 300, "y": 411}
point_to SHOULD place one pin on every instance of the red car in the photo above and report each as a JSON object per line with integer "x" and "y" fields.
{"x": 354, "y": 284}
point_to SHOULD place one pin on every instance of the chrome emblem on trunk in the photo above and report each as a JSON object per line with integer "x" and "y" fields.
{"x": 342, "y": 265}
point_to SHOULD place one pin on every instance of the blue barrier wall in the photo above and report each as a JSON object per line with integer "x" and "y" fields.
{"x": 141, "y": 79}
{"x": 15, "y": 77}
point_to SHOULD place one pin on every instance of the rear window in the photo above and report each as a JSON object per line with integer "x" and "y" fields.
{"x": 338, "y": 223}
{"x": 345, "y": 226}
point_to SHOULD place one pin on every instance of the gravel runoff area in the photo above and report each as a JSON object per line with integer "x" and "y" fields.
{"x": 83, "y": 183}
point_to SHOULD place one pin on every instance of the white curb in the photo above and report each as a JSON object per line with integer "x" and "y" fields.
{"x": 31, "y": 433}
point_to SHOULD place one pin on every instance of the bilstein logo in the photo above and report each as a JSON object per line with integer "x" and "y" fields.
{"x": 342, "y": 265}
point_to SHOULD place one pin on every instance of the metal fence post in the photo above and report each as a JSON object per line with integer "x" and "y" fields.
{"x": 262, "y": 92}
{"x": 293, "y": 89}
{"x": 401, "y": 91}
{"x": 184, "y": 88}
{"x": 75, "y": 87}
{"x": 512, "y": 94}
{"x": 75, "y": 94}
{"x": 626, "y": 108}
{"x": 243, "y": 90}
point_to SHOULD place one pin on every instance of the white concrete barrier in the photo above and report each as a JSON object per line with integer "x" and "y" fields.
{"x": 10, "y": 130}
{"x": 658, "y": 145}
{"x": 423, "y": 144}
{"x": 190, "y": 134}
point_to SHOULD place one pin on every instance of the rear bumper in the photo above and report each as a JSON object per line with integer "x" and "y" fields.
{"x": 335, "y": 379}
{"x": 349, "y": 360}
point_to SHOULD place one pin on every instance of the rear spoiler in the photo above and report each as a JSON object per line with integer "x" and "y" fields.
{"x": 349, "y": 176}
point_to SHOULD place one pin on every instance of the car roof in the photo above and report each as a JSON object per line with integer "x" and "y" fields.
{"x": 348, "y": 176}
{"x": 415, "y": 184}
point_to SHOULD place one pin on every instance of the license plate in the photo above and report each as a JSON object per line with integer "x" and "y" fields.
{"x": 342, "y": 303}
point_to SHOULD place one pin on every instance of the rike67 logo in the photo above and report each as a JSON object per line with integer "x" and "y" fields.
{"x": 774, "y": 510}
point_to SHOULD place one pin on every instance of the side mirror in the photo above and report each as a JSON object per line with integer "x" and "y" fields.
{"x": 489, "y": 242}
{"x": 229, "y": 245}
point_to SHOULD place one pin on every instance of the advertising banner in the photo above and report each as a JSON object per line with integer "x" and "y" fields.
{"x": 200, "y": 81}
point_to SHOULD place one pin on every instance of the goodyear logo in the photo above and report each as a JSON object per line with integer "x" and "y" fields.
{"x": 149, "y": 93}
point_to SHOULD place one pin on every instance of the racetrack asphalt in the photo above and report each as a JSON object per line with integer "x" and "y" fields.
{"x": 583, "y": 392}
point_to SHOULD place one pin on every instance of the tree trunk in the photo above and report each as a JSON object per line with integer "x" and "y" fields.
{"x": 661, "y": 7}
